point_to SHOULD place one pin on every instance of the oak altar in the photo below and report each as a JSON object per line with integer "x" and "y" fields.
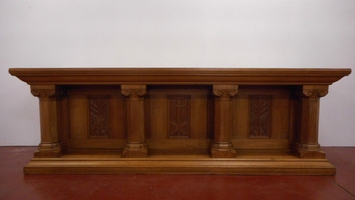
{"x": 179, "y": 120}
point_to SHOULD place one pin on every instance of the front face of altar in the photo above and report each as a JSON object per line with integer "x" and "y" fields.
{"x": 179, "y": 117}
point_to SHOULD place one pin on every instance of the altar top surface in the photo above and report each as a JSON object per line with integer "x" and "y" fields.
{"x": 179, "y": 76}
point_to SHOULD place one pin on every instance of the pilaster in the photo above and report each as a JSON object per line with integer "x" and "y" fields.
{"x": 307, "y": 145}
{"x": 136, "y": 146}
{"x": 222, "y": 146}
{"x": 48, "y": 105}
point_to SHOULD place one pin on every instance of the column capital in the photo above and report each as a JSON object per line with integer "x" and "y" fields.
{"x": 314, "y": 91}
{"x": 46, "y": 92}
{"x": 225, "y": 92}
{"x": 134, "y": 92}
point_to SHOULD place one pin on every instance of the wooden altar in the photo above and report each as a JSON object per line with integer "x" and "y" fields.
{"x": 179, "y": 121}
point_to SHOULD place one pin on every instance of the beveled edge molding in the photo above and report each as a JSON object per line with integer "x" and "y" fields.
{"x": 178, "y": 166}
{"x": 196, "y": 76}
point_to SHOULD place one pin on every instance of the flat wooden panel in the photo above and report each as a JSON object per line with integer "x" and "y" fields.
{"x": 178, "y": 143}
{"x": 78, "y": 106}
{"x": 261, "y": 143}
{"x": 281, "y": 116}
{"x": 210, "y": 117}
{"x": 240, "y": 116}
{"x": 118, "y": 114}
{"x": 159, "y": 118}
{"x": 98, "y": 143}
{"x": 199, "y": 116}
{"x": 64, "y": 123}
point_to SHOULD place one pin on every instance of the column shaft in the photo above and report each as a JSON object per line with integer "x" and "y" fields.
{"x": 48, "y": 105}
{"x": 136, "y": 146}
{"x": 307, "y": 145}
{"x": 222, "y": 146}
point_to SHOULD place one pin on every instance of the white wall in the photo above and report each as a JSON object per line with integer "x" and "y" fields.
{"x": 200, "y": 33}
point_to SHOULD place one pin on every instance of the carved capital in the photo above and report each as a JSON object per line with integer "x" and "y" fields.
{"x": 49, "y": 92}
{"x": 314, "y": 92}
{"x": 134, "y": 92}
{"x": 225, "y": 92}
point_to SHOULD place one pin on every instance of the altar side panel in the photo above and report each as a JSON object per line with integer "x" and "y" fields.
{"x": 78, "y": 109}
{"x": 178, "y": 117}
{"x": 64, "y": 129}
{"x": 262, "y": 118}
{"x": 97, "y": 117}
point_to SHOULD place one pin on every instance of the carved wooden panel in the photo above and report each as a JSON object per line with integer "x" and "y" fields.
{"x": 200, "y": 117}
{"x": 260, "y": 116}
{"x": 99, "y": 117}
{"x": 179, "y": 116}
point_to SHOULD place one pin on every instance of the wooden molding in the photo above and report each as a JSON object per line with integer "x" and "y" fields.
{"x": 196, "y": 76}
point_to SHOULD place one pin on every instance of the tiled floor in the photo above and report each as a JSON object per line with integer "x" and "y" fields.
{"x": 14, "y": 185}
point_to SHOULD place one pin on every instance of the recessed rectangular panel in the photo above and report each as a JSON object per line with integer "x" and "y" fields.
{"x": 260, "y": 116}
{"x": 179, "y": 122}
{"x": 99, "y": 117}
{"x": 78, "y": 112}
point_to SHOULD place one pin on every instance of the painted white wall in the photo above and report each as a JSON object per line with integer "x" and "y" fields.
{"x": 182, "y": 33}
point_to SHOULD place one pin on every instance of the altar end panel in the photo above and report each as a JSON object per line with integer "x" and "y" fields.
{"x": 178, "y": 117}
{"x": 97, "y": 117}
{"x": 262, "y": 118}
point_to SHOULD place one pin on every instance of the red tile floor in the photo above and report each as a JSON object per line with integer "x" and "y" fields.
{"x": 14, "y": 185}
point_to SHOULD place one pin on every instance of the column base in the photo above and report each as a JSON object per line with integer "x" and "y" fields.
{"x": 50, "y": 150}
{"x": 135, "y": 150}
{"x": 309, "y": 151}
{"x": 223, "y": 150}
